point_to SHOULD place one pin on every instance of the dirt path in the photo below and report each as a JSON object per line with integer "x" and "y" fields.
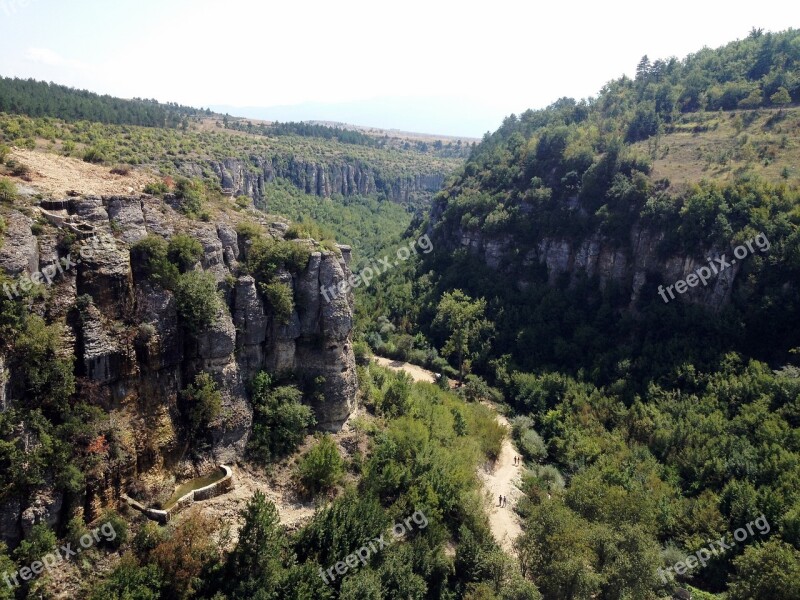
{"x": 500, "y": 478}
{"x": 293, "y": 512}
{"x": 417, "y": 373}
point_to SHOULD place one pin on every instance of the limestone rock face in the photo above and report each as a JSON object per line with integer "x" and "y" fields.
{"x": 134, "y": 355}
{"x": 349, "y": 178}
{"x": 127, "y": 216}
{"x": 159, "y": 338}
{"x": 20, "y": 251}
{"x": 230, "y": 244}
{"x": 628, "y": 265}
{"x": 249, "y": 318}
{"x": 105, "y": 355}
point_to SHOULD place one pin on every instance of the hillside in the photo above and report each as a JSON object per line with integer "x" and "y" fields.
{"x": 722, "y": 146}
{"x": 624, "y": 271}
{"x": 581, "y": 196}
{"x": 241, "y": 163}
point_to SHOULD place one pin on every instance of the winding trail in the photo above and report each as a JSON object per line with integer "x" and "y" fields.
{"x": 498, "y": 478}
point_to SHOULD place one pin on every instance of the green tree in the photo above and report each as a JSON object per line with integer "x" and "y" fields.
{"x": 398, "y": 395}
{"x": 197, "y": 299}
{"x": 40, "y": 542}
{"x": 556, "y": 551}
{"x": 256, "y": 562}
{"x": 769, "y": 570}
{"x": 364, "y": 585}
{"x": 464, "y": 320}
{"x": 8, "y": 191}
{"x": 781, "y": 97}
{"x": 204, "y": 401}
{"x": 191, "y": 193}
{"x": 184, "y": 251}
{"x": 280, "y": 420}
{"x": 8, "y": 567}
{"x": 130, "y": 581}
{"x": 149, "y": 258}
{"x": 341, "y": 527}
{"x": 321, "y": 467}
{"x": 280, "y": 298}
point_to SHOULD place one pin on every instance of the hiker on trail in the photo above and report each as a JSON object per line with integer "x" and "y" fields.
{"x": 500, "y": 501}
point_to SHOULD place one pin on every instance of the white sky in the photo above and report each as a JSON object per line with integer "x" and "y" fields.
{"x": 461, "y": 65}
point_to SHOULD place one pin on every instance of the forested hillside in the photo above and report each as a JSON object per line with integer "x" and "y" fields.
{"x": 42, "y": 99}
{"x": 668, "y": 412}
{"x": 562, "y": 196}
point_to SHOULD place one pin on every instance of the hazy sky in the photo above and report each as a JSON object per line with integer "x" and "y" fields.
{"x": 445, "y": 67}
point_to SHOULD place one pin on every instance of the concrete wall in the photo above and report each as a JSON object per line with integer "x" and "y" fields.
{"x": 222, "y": 486}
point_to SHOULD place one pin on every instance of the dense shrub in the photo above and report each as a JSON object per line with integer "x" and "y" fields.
{"x": 39, "y": 542}
{"x": 280, "y": 298}
{"x": 204, "y": 401}
{"x": 266, "y": 256}
{"x": 130, "y": 581}
{"x": 321, "y": 467}
{"x": 249, "y": 231}
{"x": 280, "y": 420}
{"x": 94, "y": 155}
{"x": 149, "y": 258}
{"x": 197, "y": 299}
{"x": 156, "y": 188}
{"x": 184, "y": 251}
{"x": 119, "y": 535}
{"x": 191, "y": 193}
{"x": 529, "y": 442}
{"x": 8, "y": 191}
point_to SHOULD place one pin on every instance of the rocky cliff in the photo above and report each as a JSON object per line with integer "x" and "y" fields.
{"x": 629, "y": 265}
{"x": 348, "y": 178}
{"x": 133, "y": 356}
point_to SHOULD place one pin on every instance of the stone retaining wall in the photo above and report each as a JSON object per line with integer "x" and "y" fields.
{"x": 222, "y": 486}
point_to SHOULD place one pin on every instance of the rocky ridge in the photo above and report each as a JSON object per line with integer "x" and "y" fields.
{"x": 133, "y": 357}
{"x": 348, "y": 178}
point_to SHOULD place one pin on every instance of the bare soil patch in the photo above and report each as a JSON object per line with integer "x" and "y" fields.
{"x": 54, "y": 175}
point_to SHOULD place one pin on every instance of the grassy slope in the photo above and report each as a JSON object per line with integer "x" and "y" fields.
{"x": 723, "y": 145}
{"x": 163, "y": 147}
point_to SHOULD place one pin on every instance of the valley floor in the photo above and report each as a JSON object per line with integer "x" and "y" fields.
{"x": 499, "y": 478}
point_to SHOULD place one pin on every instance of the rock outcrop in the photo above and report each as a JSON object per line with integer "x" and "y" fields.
{"x": 135, "y": 357}
{"x": 348, "y": 178}
{"x": 628, "y": 265}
